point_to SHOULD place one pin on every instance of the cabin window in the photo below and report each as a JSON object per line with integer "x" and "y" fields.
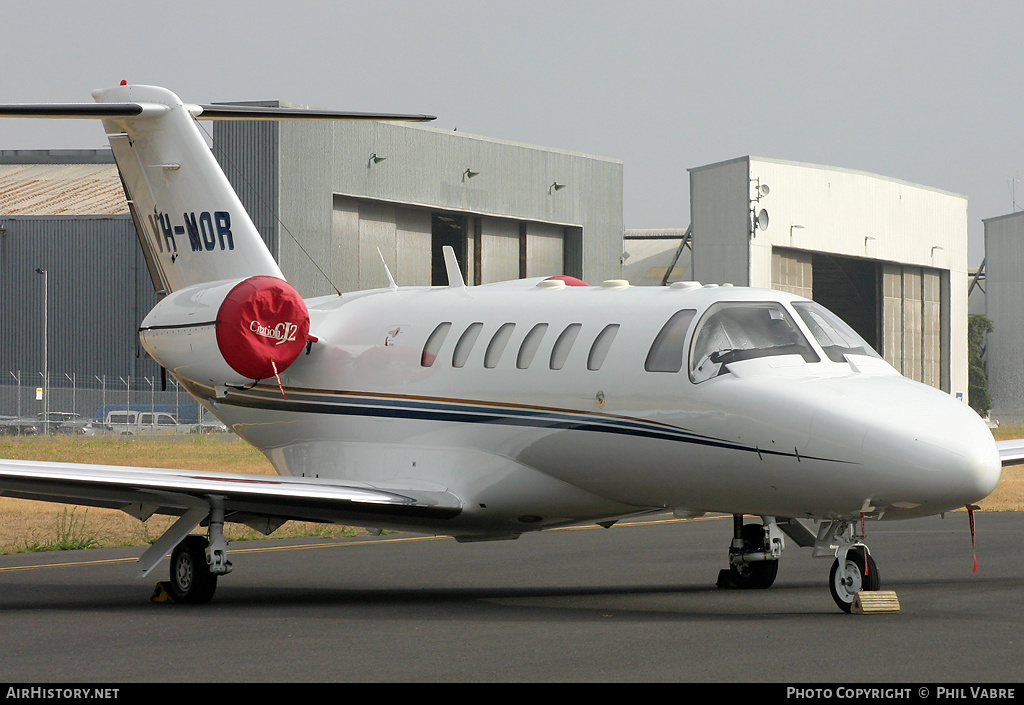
{"x": 602, "y": 344}
{"x": 734, "y": 331}
{"x": 465, "y": 344}
{"x": 563, "y": 345}
{"x": 433, "y": 344}
{"x": 666, "y": 354}
{"x": 497, "y": 345}
{"x": 530, "y": 344}
{"x": 833, "y": 334}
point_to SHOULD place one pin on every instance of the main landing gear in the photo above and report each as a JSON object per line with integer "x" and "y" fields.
{"x": 753, "y": 555}
{"x": 196, "y": 562}
{"x": 191, "y": 580}
{"x": 756, "y": 547}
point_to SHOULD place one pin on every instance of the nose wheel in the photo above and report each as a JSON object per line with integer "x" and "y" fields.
{"x": 851, "y": 573}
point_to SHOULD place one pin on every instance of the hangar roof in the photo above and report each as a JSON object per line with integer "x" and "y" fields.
{"x": 61, "y": 189}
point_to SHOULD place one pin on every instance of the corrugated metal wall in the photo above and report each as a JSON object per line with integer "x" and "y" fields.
{"x": 249, "y": 158}
{"x": 425, "y": 170}
{"x": 98, "y": 289}
{"x": 1004, "y": 293}
{"x": 337, "y": 205}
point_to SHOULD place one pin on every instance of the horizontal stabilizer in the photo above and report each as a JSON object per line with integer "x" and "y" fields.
{"x": 245, "y": 112}
{"x": 71, "y": 110}
{"x": 202, "y": 112}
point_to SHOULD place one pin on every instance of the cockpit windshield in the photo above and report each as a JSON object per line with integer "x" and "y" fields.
{"x": 834, "y": 336}
{"x": 741, "y": 330}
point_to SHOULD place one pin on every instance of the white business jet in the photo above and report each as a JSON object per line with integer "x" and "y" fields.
{"x": 488, "y": 411}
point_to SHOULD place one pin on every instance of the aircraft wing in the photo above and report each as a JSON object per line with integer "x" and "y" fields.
{"x": 1011, "y": 452}
{"x": 143, "y": 492}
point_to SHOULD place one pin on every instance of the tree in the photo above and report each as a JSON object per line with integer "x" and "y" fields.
{"x": 977, "y": 379}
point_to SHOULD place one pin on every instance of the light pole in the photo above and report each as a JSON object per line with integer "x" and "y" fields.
{"x": 46, "y": 335}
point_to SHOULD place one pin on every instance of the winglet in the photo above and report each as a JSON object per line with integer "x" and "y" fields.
{"x": 451, "y": 264}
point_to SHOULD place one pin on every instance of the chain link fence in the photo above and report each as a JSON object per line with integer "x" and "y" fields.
{"x": 97, "y": 405}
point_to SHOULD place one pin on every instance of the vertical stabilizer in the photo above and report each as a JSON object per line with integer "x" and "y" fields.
{"x": 191, "y": 223}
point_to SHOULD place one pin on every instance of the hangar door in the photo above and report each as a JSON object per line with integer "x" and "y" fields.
{"x": 896, "y": 308}
{"x": 410, "y": 238}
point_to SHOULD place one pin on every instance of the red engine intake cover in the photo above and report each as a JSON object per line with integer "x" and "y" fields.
{"x": 262, "y": 324}
{"x": 569, "y": 281}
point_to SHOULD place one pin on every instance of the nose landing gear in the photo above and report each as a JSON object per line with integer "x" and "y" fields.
{"x": 852, "y": 571}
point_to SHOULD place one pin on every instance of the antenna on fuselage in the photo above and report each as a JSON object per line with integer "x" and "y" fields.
{"x": 391, "y": 279}
{"x": 451, "y": 265}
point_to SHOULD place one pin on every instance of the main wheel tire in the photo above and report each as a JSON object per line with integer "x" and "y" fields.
{"x": 862, "y": 575}
{"x": 191, "y": 579}
{"x": 758, "y": 575}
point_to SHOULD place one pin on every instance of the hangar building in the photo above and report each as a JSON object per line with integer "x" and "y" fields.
{"x": 1004, "y": 292}
{"x": 327, "y": 195}
{"x": 889, "y": 257}
{"x": 64, "y": 212}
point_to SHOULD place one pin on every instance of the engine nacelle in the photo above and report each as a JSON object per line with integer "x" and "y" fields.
{"x": 231, "y": 332}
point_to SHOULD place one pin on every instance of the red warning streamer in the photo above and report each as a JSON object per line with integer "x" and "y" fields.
{"x": 974, "y": 547}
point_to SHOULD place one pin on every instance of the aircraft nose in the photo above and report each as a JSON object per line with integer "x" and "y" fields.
{"x": 942, "y": 451}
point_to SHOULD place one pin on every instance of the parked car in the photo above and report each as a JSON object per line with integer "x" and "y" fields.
{"x": 210, "y": 424}
{"x": 66, "y": 423}
{"x": 16, "y": 426}
{"x": 95, "y": 428}
{"x": 131, "y": 422}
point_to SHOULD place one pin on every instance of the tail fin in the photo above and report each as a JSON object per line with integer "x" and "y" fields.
{"x": 191, "y": 223}
{"x": 192, "y": 226}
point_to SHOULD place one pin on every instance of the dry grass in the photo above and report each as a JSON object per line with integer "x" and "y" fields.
{"x": 26, "y": 525}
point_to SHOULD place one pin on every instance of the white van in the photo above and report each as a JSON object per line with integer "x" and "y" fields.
{"x": 134, "y": 422}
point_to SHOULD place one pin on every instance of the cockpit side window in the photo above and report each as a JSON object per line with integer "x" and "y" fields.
{"x": 734, "y": 331}
{"x": 834, "y": 336}
{"x": 666, "y": 353}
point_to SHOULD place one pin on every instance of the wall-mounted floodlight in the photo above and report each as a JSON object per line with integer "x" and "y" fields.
{"x": 794, "y": 227}
{"x": 374, "y": 159}
{"x": 555, "y": 187}
{"x": 468, "y": 174}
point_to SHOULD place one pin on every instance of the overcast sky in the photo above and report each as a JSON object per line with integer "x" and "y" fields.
{"x": 929, "y": 92}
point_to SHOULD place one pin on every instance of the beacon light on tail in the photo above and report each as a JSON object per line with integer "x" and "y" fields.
{"x": 228, "y": 333}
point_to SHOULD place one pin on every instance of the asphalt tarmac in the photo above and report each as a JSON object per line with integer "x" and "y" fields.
{"x": 635, "y": 603}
